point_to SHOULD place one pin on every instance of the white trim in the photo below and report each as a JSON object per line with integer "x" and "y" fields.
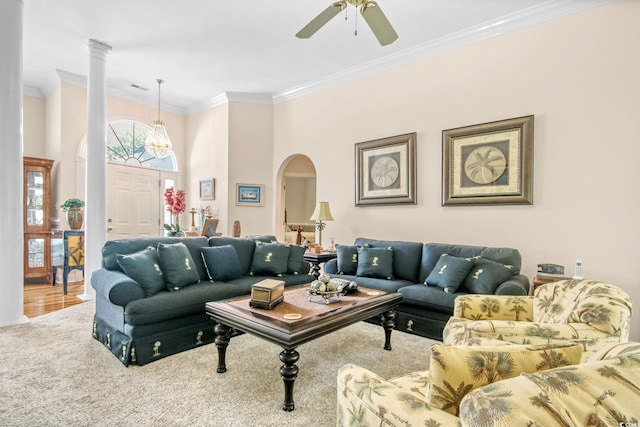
{"x": 32, "y": 91}
{"x": 23, "y": 319}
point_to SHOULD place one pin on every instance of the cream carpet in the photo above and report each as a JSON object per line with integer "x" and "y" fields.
{"x": 52, "y": 373}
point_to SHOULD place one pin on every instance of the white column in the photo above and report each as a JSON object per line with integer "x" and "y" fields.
{"x": 11, "y": 224}
{"x": 96, "y": 175}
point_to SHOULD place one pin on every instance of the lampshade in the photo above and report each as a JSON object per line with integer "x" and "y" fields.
{"x": 159, "y": 144}
{"x": 322, "y": 212}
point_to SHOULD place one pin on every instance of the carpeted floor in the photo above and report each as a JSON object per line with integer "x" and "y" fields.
{"x": 52, "y": 373}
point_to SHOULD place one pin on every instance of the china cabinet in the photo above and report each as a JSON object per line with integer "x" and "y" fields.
{"x": 37, "y": 214}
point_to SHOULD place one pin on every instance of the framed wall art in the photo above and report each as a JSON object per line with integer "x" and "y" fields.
{"x": 489, "y": 163}
{"x": 249, "y": 194}
{"x": 386, "y": 171}
{"x": 207, "y": 189}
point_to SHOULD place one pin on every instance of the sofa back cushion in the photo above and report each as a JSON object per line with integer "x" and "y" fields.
{"x": 456, "y": 370}
{"x": 112, "y": 248}
{"x": 244, "y": 249}
{"x": 431, "y": 253}
{"x": 222, "y": 263}
{"x": 600, "y": 305}
{"x": 406, "y": 256}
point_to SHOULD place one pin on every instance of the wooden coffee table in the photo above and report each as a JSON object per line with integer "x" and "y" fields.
{"x": 282, "y": 326}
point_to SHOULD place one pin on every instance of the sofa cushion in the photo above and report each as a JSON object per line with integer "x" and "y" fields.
{"x": 449, "y": 272}
{"x": 432, "y": 251}
{"x": 270, "y": 259}
{"x": 295, "y": 260}
{"x": 244, "y": 249}
{"x": 177, "y": 265}
{"x": 375, "y": 262}
{"x": 144, "y": 267}
{"x": 485, "y": 276}
{"x": 428, "y": 298}
{"x": 347, "y": 258}
{"x": 222, "y": 262}
{"x": 456, "y": 370}
{"x": 406, "y": 256}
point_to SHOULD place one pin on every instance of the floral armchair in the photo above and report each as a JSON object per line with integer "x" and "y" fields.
{"x": 581, "y": 311}
{"x": 602, "y": 392}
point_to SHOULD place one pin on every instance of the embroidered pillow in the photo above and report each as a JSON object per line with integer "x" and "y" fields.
{"x": 485, "y": 276}
{"x": 270, "y": 259}
{"x": 375, "y": 262}
{"x": 347, "y": 259}
{"x": 449, "y": 272}
{"x": 177, "y": 265}
{"x": 143, "y": 267}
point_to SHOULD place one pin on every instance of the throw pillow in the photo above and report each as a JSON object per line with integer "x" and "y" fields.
{"x": 143, "y": 267}
{"x": 221, "y": 262}
{"x": 375, "y": 262}
{"x": 456, "y": 370}
{"x": 269, "y": 259}
{"x": 177, "y": 265}
{"x": 449, "y": 272}
{"x": 485, "y": 276}
{"x": 347, "y": 259}
{"x": 295, "y": 261}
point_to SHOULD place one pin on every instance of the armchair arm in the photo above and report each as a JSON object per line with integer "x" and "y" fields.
{"x": 116, "y": 287}
{"x": 493, "y": 307}
{"x": 366, "y": 399}
{"x": 516, "y": 285}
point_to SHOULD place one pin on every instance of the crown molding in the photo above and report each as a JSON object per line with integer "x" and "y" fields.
{"x": 32, "y": 91}
{"x": 525, "y": 18}
{"x": 250, "y": 98}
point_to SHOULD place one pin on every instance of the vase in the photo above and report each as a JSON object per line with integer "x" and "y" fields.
{"x": 236, "y": 228}
{"x": 75, "y": 218}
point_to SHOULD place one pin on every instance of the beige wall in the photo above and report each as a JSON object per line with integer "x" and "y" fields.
{"x": 578, "y": 75}
{"x": 34, "y": 123}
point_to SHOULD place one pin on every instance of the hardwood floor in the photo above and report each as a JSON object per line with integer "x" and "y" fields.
{"x": 43, "y": 298}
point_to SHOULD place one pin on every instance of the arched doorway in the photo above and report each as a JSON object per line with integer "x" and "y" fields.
{"x": 295, "y": 198}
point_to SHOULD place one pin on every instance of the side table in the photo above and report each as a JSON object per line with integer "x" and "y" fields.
{"x": 317, "y": 259}
{"x": 543, "y": 280}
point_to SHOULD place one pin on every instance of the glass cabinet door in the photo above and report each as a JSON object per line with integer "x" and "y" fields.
{"x": 35, "y": 199}
{"x": 36, "y": 253}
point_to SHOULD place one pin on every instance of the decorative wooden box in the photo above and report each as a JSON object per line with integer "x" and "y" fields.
{"x": 267, "y": 293}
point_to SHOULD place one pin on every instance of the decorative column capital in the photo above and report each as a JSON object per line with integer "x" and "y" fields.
{"x": 98, "y": 48}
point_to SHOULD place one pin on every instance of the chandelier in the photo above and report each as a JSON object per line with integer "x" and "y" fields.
{"x": 159, "y": 144}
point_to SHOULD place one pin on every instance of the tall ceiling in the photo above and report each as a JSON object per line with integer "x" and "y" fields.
{"x": 204, "y": 48}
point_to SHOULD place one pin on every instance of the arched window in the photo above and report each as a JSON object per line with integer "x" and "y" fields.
{"x": 125, "y": 145}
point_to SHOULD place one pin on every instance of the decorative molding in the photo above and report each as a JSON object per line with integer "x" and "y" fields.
{"x": 32, "y": 91}
{"x": 250, "y": 98}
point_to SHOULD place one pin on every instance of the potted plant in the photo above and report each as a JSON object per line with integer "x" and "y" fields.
{"x": 73, "y": 208}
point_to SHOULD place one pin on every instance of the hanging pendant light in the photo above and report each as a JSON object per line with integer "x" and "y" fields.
{"x": 159, "y": 144}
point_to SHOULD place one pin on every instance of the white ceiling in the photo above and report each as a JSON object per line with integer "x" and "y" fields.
{"x": 205, "y": 48}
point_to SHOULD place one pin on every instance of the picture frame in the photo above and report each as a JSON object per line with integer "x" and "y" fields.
{"x": 386, "y": 171}
{"x": 208, "y": 189}
{"x": 210, "y": 226}
{"x": 249, "y": 195}
{"x": 489, "y": 163}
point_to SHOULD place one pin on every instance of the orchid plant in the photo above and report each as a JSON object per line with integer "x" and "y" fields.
{"x": 175, "y": 201}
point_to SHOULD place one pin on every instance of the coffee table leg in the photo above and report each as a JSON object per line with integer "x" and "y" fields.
{"x": 222, "y": 341}
{"x": 388, "y": 323}
{"x": 289, "y": 372}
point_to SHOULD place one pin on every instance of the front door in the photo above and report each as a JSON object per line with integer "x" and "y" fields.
{"x": 133, "y": 202}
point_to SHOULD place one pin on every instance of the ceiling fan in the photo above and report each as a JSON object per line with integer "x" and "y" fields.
{"x": 370, "y": 11}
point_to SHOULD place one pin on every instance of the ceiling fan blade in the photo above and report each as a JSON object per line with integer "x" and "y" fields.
{"x": 324, "y": 17}
{"x": 379, "y": 23}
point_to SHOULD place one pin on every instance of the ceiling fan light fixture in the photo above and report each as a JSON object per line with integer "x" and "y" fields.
{"x": 159, "y": 144}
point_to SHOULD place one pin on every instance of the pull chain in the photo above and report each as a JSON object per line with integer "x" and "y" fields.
{"x": 356, "y": 32}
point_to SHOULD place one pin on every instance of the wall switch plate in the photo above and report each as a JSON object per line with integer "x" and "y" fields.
{"x": 578, "y": 271}
{"x": 215, "y": 211}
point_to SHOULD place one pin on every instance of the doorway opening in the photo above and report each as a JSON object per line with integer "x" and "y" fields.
{"x": 296, "y": 199}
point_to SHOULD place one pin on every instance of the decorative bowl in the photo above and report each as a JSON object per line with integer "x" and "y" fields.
{"x": 327, "y": 295}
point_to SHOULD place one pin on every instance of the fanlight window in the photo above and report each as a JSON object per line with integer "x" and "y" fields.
{"x": 125, "y": 145}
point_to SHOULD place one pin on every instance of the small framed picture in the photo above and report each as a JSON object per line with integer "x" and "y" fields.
{"x": 209, "y": 228}
{"x": 207, "y": 189}
{"x": 249, "y": 195}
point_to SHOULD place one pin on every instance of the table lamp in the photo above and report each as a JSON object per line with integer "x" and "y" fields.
{"x": 322, "y": 213}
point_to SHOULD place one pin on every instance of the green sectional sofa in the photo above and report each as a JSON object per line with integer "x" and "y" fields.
{"x": 429, "y": 276}
{"x": 161, "y": 313}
